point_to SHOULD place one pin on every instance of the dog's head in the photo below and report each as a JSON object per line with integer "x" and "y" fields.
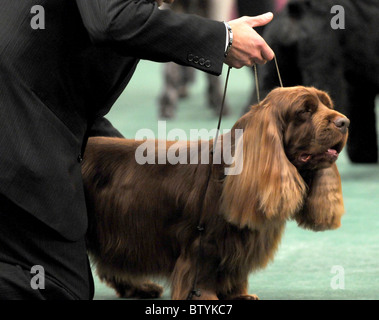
{"x": 313, "y": 133}
{"x": 290, "y": 144}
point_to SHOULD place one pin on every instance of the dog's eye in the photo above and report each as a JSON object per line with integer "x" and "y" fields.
{"x": 304, "y": 114}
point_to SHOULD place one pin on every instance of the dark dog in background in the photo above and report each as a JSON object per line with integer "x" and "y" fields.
{"x": 342, "y": 62}
{"x": 143, "y": 218}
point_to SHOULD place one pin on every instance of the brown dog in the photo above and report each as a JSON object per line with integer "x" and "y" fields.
{"x": 144, "y": 218}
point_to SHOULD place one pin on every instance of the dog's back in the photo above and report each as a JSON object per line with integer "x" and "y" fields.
{"x": 134, "y": 210}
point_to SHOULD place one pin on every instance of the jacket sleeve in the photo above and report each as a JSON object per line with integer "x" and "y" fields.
{"x": 139, "y": 28}
{"x": 102, "y": 127}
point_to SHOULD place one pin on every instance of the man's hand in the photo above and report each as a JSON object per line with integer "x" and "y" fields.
{"x": 161, "y": 1}
{"x": 248, "y": 46}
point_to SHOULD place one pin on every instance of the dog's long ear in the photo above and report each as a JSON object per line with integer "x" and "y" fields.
{"x": 269, "y": 187}
{"x": 323, "y": 208}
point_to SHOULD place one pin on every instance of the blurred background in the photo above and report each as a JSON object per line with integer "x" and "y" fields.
{"x": 307, "y": 263}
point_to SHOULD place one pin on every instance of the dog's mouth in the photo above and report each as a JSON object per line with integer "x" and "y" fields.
{"x": 330, "y": 155}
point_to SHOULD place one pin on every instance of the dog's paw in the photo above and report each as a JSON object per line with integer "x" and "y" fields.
{"x": 148, "y": 290}
{"x": 136, "y": 289}
{"x": 245, "y": 297}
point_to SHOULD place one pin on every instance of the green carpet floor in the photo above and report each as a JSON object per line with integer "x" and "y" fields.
{"x": 306, "y": 263}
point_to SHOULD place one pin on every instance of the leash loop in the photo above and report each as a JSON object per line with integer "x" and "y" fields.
{"x": 257, "y": 81}
{"x": 200, "y": 228}
{"x": 278, "y": 72}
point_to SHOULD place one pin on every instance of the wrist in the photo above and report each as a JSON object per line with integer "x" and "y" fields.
{"x": 229, "y": 38}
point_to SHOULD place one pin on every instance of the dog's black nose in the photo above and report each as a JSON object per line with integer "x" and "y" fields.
{"x": 342, "y": 124}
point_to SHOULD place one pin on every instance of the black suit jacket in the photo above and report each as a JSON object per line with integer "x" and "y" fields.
{"x": 55, "y": 82}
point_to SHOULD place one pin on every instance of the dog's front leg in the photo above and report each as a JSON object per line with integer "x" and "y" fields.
{"x": 182, "y": 281}
{"x": 204, "y": 295}
{"x": 240, "y": 292}
{"x": 201, "y": 294}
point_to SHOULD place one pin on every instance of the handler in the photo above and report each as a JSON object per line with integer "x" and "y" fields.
{"x": 63, "y": 64}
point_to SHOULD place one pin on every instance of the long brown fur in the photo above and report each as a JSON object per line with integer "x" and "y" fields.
{"x": 143, "y": 218}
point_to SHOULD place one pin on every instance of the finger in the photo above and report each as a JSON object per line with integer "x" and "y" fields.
{"x": 259, "y": 61}
{"x": 267, "y": 53}
{"x": 260, "y": 20}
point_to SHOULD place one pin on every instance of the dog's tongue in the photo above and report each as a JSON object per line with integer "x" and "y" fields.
{"x": 332, "y": 153}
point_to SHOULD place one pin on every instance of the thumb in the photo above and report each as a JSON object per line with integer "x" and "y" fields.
{"x": 260, "y": 20}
